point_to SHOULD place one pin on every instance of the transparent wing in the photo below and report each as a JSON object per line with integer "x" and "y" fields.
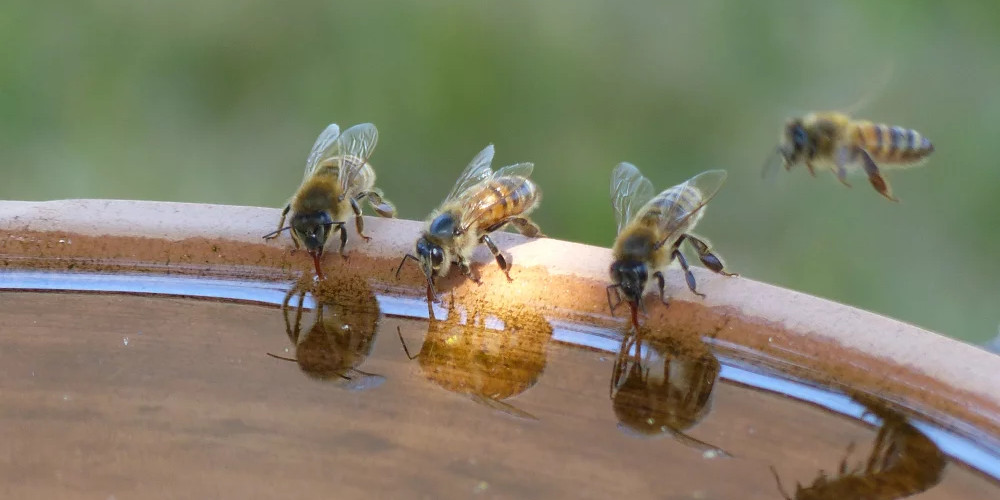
{"x": 477, "y": 171}
{"x": 357, "y": 380}
{"x": 772, "y": 165}
{"x": 321, "y": 148}
{"x": 629, "y": 192}
{"x": 355, "y": 146}
{"x": 515, "y": 170}
{"x": 707, "y": 184}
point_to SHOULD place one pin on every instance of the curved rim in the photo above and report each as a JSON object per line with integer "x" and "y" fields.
{"x": 900, "y": 362}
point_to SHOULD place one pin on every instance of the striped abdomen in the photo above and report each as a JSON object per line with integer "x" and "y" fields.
{"x": 669, "y": 210}
{"x": 891, "y": 144}
{"x": 498, "y": 199}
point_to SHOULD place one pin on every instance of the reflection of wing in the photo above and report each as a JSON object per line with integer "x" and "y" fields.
{"x": 322, "y": 147}
{"x": 357, "y": 380}
{"x": 706, "y": 184}
{"x": 356, "y": 143}
{"x": 772, "y": 165}
{"x": 503, "y": 407}
{"x": 629, "y": 192}
{"x": 477, "y": 171}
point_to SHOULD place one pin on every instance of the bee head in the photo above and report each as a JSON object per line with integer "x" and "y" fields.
{"x": 432, "y": 258}
{"x": 312, "y": 229}
{"x": 796, "y": 144}
{"x": 630, "y": 278}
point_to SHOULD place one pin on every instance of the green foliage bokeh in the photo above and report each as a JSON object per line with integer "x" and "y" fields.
{"x": 220, "y": 101}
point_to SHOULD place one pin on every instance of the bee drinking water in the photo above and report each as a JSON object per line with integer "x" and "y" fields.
{"x": 839, "y": 143}
{"x": 651, "y": 230}
{"x": 338, "y": 177}
{"x": 482, "y": 201}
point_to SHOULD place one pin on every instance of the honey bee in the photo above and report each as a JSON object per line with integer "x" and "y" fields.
{"x": 836, "y": 141}
{"x": 482, "y": 201}
{"x": 662, "y": 385}
{"x": 338, "y": 177}
{"x": 903, "y": 462}
{"x": 342, "y": 334}
{"x": 651, "y": 230}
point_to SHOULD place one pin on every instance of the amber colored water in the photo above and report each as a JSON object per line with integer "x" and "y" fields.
{"x": 123, "y": 395}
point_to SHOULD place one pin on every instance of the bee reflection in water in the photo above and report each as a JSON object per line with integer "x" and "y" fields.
{"x": 488, "y": 363}
{"x": 903, "y": 462}
{"x": 342, "y": 334}
{"x": 663, "y": 386}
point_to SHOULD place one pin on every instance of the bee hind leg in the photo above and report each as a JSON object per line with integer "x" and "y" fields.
{"x": 527, "y": 227}
{"x": 706, "y": 256}
{"x": 380, "y": 205}
{"x": 501, "y": 261}
{"x": 359, "y": 221}
{"x": 875, "y": 175}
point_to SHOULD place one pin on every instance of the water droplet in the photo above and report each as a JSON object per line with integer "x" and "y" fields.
{"x": 66, "y": 397}
{"x": 770, "y": 339}
{"x": 710, "y": 454}
{"x": 125, "y": 341}
{"x": 481, "y": 487}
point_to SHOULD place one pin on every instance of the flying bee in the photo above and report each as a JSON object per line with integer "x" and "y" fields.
{"x": 651, "y": 230}
{"x": 482, "y": 201}
{"x": 837, "y": 142}
{"x": 338, "y": 177}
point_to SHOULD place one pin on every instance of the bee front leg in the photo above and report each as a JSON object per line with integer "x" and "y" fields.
{"x": 706, "y": 256}
{"x": 343, "y": 238}
{"x": 467, "y": 271}
{"x": 527, "y": 227}
{"x": 281, "y": 223}
{"x": 842, "y": 159}
{"x": 497, "y": 255}
{"x": 359, "y": 220}
{"x": 661, "y": 283}
{"x": 874, "y": 175}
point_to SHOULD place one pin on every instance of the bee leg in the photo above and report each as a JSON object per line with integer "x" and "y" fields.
{"x": 467, "y": 271}
{"x": 706, "y": 256}
{"x": 343, "y": 238}
{"x": 874, "y": 175}
{"x": 618, "y": 296}
{"x": 812, "y": 169}
{"x": 380, "y": 205}
{"x": 688, "y": 276}
{"x": 527, "y": 227}
{"x": 497, "y": 255}
{"x": 359, "y": 221}
{"x": 281, "y": 223}
{"x": 843, "y": 158}
{"x": 660, "y": 283}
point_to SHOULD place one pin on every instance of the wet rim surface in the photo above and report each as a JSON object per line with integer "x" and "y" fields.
{"x": 793, "y": 332}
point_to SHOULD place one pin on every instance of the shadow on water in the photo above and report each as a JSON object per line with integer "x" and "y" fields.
{"x": 343, "y": 329}
{"x": 903, "y": 462}
{"x": 491, "y": 356}
{"x": 662, "y": 385}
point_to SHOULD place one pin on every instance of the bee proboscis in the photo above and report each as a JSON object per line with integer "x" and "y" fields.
{"x": 481, "y": 202}
{"x": 651, "y": 230}
{"x": 835, "y": 141}
{"x": 338, "y": 177}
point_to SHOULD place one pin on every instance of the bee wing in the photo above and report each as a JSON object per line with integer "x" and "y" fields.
{"x": 629, "y": 192}
{"x": 322, "y": 147}
{"x": 707, "y": 184}
{"x": 477, "y": 171}
{"x": 358, "y": 142}
{"x": 772, "y": 165}
{"x": 515, "y": 170}
{"x": 357, "y": 380}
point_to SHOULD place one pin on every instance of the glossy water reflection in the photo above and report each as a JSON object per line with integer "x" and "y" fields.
{"x": 491, "y": 356}
{"x": 903, "y": 462}
{"x": 663, "y": 385}
{"x": 343, "y": 329}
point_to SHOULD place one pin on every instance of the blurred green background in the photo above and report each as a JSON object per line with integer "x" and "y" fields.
{"x": 216, "y": 101}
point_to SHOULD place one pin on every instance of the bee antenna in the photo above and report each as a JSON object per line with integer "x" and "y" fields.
{"x": 276, "y": 232}
{"x": 407, "y": 256}
{"x": 282, "y": 358}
